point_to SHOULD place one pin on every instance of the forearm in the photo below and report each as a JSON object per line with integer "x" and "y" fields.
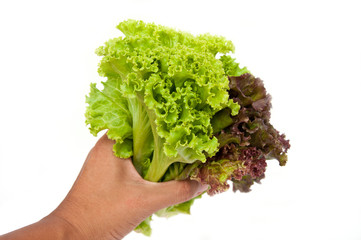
{"x": 50, "y": 227}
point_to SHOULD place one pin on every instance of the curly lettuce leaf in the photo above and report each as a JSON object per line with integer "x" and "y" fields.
{"x": 109, "y": 110}
{"x": 251, "y": 94}
{"x": 231, "y": 67}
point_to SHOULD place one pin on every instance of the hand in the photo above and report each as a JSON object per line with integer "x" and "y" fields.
{"x": 109, "y": 199}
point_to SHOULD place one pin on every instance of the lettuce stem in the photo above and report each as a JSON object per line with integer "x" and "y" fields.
{"x": 143, "y": 143}
{"x": 160, "y": 162}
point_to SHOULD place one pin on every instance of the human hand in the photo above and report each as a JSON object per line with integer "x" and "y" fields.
{"x": 109, "y": 198}
{"x": 107, "y": 201}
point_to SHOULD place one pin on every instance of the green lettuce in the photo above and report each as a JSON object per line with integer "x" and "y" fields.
{"x": 163, "y": 87}
{"x": 173, "y": 102}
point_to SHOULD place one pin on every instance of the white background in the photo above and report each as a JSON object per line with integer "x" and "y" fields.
{"x": 307, "y": 52}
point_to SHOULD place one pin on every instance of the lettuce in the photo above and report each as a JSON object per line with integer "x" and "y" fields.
{"x": 181, "y": 107}
{"x": 246, "y": 143}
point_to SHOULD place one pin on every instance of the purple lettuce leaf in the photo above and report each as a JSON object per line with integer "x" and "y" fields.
{"x": 255, "y": 102}
{"x": 244, "y": 143}
{"x": 231, "y": 163}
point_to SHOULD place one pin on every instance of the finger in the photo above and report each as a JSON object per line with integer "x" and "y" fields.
{"x": 174, "y": 192}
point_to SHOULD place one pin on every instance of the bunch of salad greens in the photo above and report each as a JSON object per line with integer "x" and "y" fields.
{"x": 182, "y": 108}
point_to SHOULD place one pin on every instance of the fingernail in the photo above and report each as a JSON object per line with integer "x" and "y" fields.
{"x": 202, "y": 188}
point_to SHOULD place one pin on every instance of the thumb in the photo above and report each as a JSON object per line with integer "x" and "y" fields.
{"x": 166, "y": 194}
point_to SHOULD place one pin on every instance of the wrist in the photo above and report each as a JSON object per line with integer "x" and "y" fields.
{"x": 50, "y": 227}
{"x": 61, "y": 228}
{"x": 86, "y": 219}
{"x": 69, "y": 215}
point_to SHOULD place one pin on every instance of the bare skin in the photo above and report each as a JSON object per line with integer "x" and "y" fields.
{"x": 107, "y": 201}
